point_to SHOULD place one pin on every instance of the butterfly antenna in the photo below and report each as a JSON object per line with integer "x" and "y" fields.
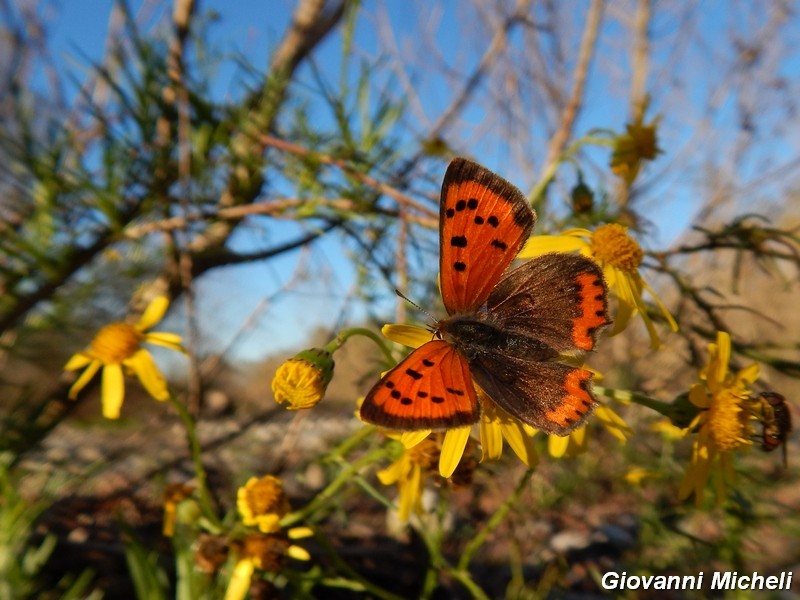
{"x": 414, "y": 304}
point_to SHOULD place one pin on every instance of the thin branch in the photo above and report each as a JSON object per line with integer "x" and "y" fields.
{"x": 379, "y": 186}
{"x": 209, "y": 260}
{"x": 569, "y": 114}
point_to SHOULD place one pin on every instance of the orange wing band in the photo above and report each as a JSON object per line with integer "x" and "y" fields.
{"x": 593, "y": 311}
{"x": 576, "y": 403}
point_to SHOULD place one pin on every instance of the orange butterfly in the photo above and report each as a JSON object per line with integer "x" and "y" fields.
{"x": 503, "y": 333}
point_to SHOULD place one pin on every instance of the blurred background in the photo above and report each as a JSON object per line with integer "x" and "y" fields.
{"x": 274, "y": 168}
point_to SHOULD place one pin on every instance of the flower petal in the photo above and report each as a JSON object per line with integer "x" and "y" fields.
{"x": 410, "y": 493}
{"x": 521, "y": 443}
{"x": 408, "y": 335}
{"x": 615, "y": 425}
{"x": 147, "y": 372}
{"x": 239, "y": 583}
{"x": 673, "y": 325}
{"x": 298, "y": 533}
{"x": 409, "y": 439}
{"x": 557, "y": 445}
{"x": 491, "y": 438}
{"x": 749, "y": 374}
{"x": 113, "y": 392}
{"x": 153, "y": 313}
{"x": 394, "y": 471}
{"x": 699, "y": 396}
{"x": 298, "y": 553}
{"x": 542, "y": 244}
{"x": 455, "y": 440}
{"x": 85, "y": 377}
{"x": 719, "y": 370}
{"x": 168, "y": 340}
{"x": 77, "y": 361}
{"x": 620, "y": 285}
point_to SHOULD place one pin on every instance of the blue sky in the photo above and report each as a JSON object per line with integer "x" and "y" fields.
{"x": 252, "y": 27}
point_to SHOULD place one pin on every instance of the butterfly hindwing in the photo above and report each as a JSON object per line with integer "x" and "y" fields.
{"x": 430, "y": 389}
{"x": 559, "y": 299}
{"x": 483, "y": 222}
{"x": 552, "y": 397}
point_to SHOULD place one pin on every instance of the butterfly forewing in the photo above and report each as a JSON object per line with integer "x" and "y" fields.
{"x": 483, "y": 223}
{"x": 558, "y": 299}
{"x": 552, "y": 397}
{"x": 430, "y": 389}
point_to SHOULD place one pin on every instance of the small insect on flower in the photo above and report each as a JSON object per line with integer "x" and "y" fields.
{"x": 776, "y": 422}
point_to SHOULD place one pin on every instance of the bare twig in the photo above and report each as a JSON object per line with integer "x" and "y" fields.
{"x": 570, "y": 112}
{"x": 379, "y": 186}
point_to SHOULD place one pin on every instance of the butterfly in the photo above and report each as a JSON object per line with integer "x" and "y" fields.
{"x": 505, "y": 331}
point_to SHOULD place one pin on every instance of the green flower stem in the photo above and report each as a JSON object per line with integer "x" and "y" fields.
{"x": 348, "y": 444}
{"x": 464, "y": 579}
{"x": 665, "y": 408}
{"x": 343, "y": 336}
{"x": 493, "y": 523}
{"x": 332, "y": 489}
{"x": 204, "y": 496}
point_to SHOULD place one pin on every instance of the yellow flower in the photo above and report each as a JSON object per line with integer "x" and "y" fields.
{"x": 409, "y": 471}
{"x": 723, "y": 424}
{"x": 262, "y": 503}
{"x": 301, "y": 381}
{"x": 119, "y": 345}
{"x": 632, "y": 148}
{"x": 620, "y": 257}
{"x": 266, "y": 552}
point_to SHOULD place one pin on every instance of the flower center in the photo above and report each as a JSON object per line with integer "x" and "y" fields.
{"x": 725, "y": 421}
{"x": 612, "y": 245}
{"x": 265, "y": 496}
{"x": 115, "y": 343}
{"x": 299, "y": 383}
{"x": 266, "y": 551}
{"x": 425, "y": 454}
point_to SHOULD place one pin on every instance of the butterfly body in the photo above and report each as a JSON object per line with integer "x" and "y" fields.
{"x": 505, "y": 331}
{"x": 474, "y": 337}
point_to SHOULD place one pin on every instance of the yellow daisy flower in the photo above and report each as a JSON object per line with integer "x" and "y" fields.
{"x": 408, "y": 473}
{"x": 263, "y": 503}
{"x": 119, "y": 345}
{"x": 266, "y": 552}
{"x": 415, "y": 463}
{"x": 301, "y": 381}
{"x": 620, "y": 257}
{"x": 723, "y": 424}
